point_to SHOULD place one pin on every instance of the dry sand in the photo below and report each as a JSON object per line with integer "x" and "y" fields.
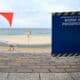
{"x": 26, "y": 40}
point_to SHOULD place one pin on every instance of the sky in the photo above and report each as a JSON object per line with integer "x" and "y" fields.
{"x": 35, "y": 13}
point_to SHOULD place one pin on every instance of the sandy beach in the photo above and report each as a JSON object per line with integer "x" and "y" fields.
{"x": 25, "y": 40}
{"x": 33, "y": 40}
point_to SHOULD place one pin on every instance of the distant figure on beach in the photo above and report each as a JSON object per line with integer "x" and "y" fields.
{"x": 11, "y": 47}
{"x": 29, "y": 34}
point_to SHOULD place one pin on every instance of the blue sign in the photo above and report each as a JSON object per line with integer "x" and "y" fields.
{"x": 66, "y": 33}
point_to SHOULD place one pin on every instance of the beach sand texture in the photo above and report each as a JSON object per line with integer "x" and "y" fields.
{"x": 26, "y": 40}
{"x": 23, "y": 40}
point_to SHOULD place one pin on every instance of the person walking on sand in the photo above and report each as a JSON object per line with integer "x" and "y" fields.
{"x": 29, "y": 34}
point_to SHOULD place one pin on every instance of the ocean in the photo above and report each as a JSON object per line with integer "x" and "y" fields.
{"x": 23, "y": 31}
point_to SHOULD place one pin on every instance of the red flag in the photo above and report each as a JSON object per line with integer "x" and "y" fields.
{"x": 8, "y": 16}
